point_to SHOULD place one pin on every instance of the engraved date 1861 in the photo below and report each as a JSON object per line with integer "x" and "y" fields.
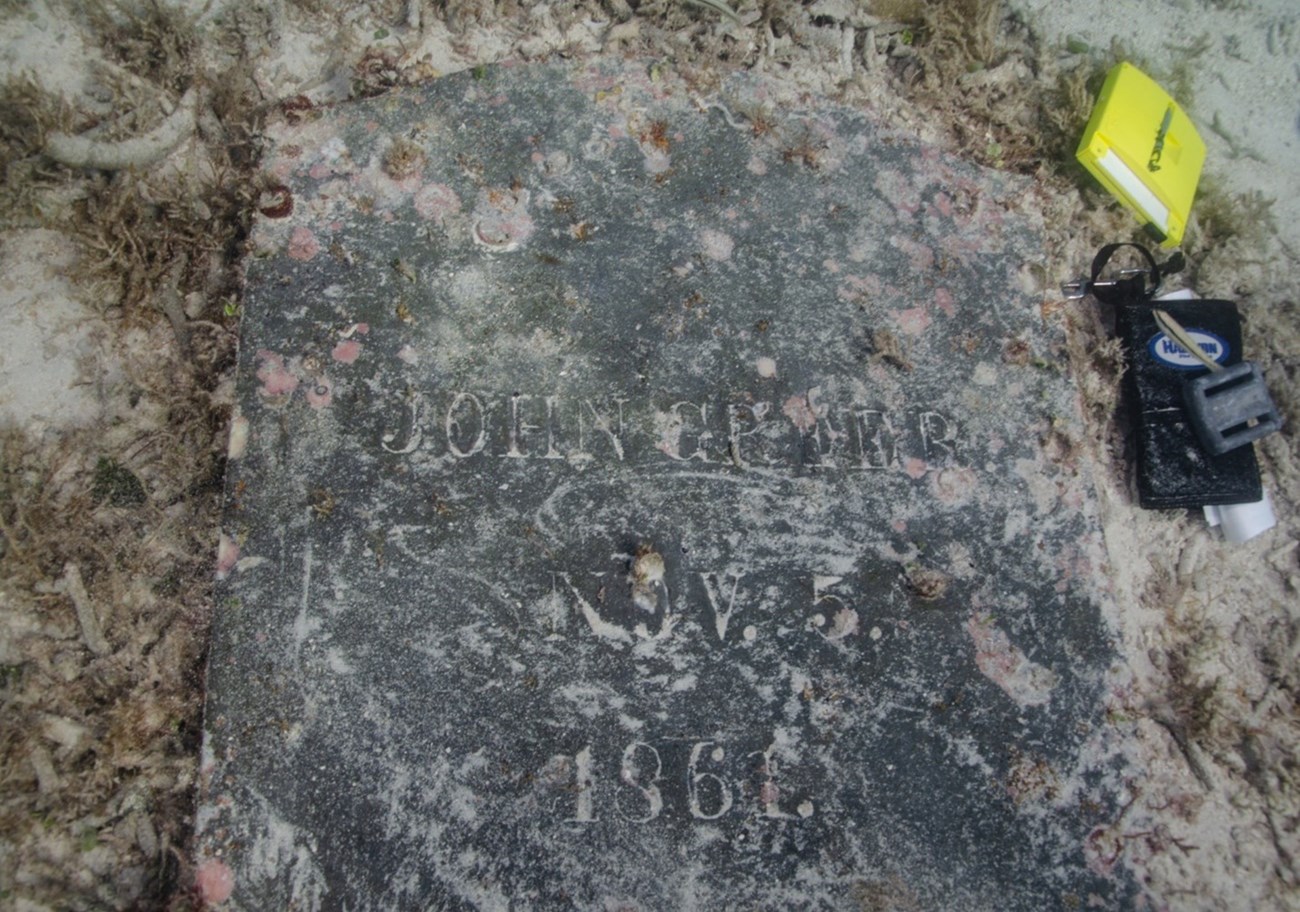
{"x": 699, "y": 779}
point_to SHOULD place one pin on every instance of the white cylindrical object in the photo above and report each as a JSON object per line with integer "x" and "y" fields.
{"x": 1242, "y": 522}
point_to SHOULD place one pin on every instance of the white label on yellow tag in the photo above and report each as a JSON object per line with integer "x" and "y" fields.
{"x": 1156, "y": 212}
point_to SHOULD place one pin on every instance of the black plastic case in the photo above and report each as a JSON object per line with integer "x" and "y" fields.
{"x": 1173, "y": 469}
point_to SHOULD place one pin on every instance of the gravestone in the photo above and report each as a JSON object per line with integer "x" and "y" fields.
{"x": 645, "y": 501}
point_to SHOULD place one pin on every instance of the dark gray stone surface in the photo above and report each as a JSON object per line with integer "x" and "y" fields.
{"x": 636, "y": 505}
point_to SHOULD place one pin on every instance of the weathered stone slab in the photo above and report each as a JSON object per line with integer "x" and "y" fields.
{"x": 636, "y": 505}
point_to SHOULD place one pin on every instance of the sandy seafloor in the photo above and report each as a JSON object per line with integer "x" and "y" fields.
{"x": 1204, "y": 708}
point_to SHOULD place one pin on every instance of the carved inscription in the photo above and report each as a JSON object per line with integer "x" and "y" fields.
{"x": 801, "y": 432}
{"x": 699, "y": 779}
{"x": 790, "y": 600}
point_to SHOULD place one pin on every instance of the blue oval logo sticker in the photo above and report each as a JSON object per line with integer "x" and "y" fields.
{"x": 1167, "y": 351}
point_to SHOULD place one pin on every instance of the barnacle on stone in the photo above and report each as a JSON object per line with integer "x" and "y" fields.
{"x": 403, "y": 159}
{"x": 926, "y": 583}
{"x": 647, "y": 577}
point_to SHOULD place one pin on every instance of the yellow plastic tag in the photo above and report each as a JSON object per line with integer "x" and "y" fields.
{"x": 1143, "y": 149}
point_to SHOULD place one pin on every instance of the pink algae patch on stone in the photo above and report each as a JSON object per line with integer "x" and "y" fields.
{"x": 913, "y": 321}
{"x": 303, "y": 244}
{"x": 854, "y": 289}
{"x": 282, "y": 169}
{"x": 999, "y": 660}
{"x": 277, "y": 380}
{"x": 954, "y": 486}
{"x": 215, "y": 882}
{"x": 915, "y": 468}
{"x": 347, "y": 351}
{"x": 436, "y": 202}
{"x": 800, "y": 412}
{"x": 920, "y": 255}
{"x": 897, "y": 189}
{"x": 717, "y": 245}
{"x": 944, "y": 300}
